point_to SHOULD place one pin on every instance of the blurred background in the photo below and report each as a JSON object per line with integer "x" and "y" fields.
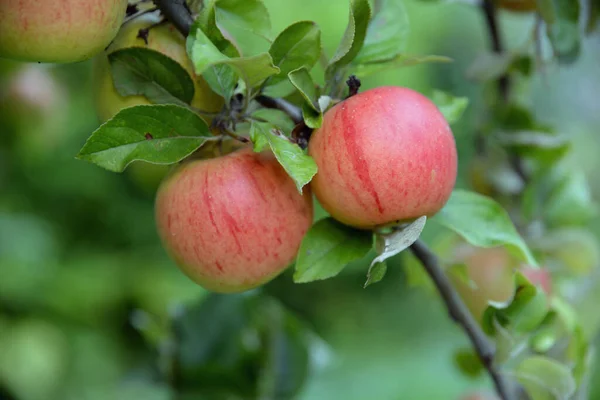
{"x": 91, "y": 307}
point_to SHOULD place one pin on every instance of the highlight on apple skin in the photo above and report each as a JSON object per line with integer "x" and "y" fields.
{"x": 234, "y": 222}
{"x": 163, "y": 38}
{"x": 58, "y": 31}
{"x": 385, "y": 155}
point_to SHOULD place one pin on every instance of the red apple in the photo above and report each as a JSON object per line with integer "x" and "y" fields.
{"x": 59, "y": 30}
{"x": 234, "y": 222}
{"x": 384, "y": 155}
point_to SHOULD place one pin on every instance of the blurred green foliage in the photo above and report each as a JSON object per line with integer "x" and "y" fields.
{"x": 91, "y": 307}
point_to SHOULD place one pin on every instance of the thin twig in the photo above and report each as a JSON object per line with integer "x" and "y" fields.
{"x": 504, "y": 83}
{"x": 459, "y": 312}
{"x": 489, "y": 10}
{"x": 280, "y": 104}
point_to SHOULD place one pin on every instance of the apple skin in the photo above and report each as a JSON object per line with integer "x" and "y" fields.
{"x": 164, "y": 39}
{"x": 383, "y": 155}
{"x": 58, "y": 31}
{"x": 234, "y": 222}
{"x": 539, "y": 277}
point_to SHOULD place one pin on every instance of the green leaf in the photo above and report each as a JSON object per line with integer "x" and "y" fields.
{"x": 311, "y": 109}
{"x": 483, "y": 223}
{"x": 543, "y": 146}
{"x": 298, "y": 46}
{"x": 452, "y": 107}
{"x": 248, "y": 15}
{"x": 204, "y": 54}
{"x": 387, "y": 33}
{"x": 545, "y": 379}
{"x": 468, "y": 362}
{"x": 489, "y": 66}
{"x": 391, "y": 244}
{"x": 376, "y": 273}
{"x": 158, "y": 134}
{"x": 297, "y": 164}
{"x": 354, "y": 36}
{"x": 327, "y": 248}
{"x": 562, "y": 28}
{"x": 222, "y": 79}
{"x": 400, "y": 61}
{"x": 524, "y": 314}
{"x": 277, "y": 117}
{"x": 570, "y": 202}
{"x": 141, "y": 71}
{"x": 313, "y": 119}
{"x": 302, "y": 81}
{"x": 528, "y": 309}
{"x": 207, "y": 21}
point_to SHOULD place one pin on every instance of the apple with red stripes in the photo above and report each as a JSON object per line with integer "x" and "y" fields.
{"x": 384, "y": 156}
{"x": 234, "y": 222}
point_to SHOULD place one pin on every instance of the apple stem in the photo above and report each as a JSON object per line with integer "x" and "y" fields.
{"x": 353, "y": 85}
{"x": 459, "y": 312}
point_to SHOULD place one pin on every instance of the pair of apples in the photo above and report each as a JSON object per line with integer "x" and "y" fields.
{"x": 234, "y": 222}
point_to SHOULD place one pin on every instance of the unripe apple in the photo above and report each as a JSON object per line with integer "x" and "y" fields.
{"x": 491, "y": 272}
{"x": 517, "y": 5}
{"x": 492, "y": 275}
{"x": 384, "y": 155}
{"x": 163, "y": 38}
{"x": 58, "y": 31}
{"x": 234, "y": 222}
{"x": 32, "y": 111}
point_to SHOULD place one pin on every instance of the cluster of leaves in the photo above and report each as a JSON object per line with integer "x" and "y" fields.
{"x": 226, "y": 45}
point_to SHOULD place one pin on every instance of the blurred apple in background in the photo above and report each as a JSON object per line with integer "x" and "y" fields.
{"x": 32, "y": 109}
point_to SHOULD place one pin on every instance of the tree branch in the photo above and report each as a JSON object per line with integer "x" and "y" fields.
{"x": 504, "y": 84}
{"x": 489, "y": 10}
{"x": 459, "y": 312}
{"x": 178, "y": 13}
